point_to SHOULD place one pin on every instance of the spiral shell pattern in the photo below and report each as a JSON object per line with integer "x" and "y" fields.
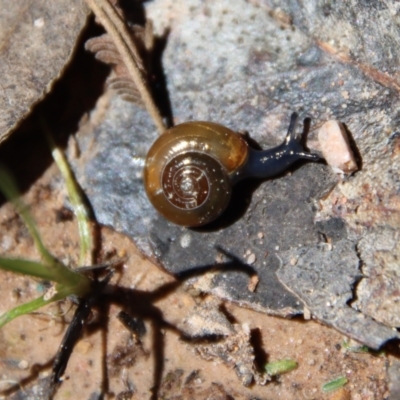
{"x": 188, "y": 171}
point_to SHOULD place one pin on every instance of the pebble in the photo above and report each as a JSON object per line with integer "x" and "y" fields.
{"x": 251, "y": 259}
{"x": 23, "y": 364}
{"x": 335, "y": 147}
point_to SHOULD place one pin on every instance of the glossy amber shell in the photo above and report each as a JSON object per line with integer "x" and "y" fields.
{"x": 221, "y": 151}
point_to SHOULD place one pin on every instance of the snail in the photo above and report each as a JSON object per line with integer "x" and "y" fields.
{"x": 191, "y": 168}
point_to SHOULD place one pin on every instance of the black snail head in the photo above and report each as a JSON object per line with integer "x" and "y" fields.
{"x": 190, "y": 169}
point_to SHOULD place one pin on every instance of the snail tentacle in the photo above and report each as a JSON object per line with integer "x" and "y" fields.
{"x": 293, "y": 141}
{"x": 272, "y": 162}
{"x": 291, "y": 133}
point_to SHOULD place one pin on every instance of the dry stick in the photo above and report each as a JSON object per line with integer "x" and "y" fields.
{"x": 116, "y": 28}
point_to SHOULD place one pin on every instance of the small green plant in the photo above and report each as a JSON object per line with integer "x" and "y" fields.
{"x": 334, "y": 384}
{"x": 280, "y": 367}
{"x": 355, "y": 348}
{"x": 66, "y": 281}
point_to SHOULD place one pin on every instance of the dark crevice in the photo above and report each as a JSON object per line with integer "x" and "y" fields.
{"x": 26, "y": 153}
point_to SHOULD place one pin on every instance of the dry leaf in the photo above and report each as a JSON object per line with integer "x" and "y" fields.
{"x": 105, "y": 50}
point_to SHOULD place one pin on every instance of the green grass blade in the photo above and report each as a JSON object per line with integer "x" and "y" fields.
{"x": 8, "y": 187}
{"x": 31, "y": 268}
{"x": 60, "y": 292}
{"x": 78, "y": 201}
{"x": 70, "y": 282}
{"x": 23, "y": 309}
{"x": 58, "y": 271}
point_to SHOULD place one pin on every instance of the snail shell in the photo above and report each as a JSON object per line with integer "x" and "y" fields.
{"x": 190, "y": 169}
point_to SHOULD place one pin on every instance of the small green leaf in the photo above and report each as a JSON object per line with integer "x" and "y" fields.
{"x": 280, "y": 367}
{"x": 335, "y": 384}
{"x": 356, "y": 349}
{"x": 31, "y": 268}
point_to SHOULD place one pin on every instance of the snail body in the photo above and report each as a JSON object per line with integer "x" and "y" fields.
{"x": 190, "y": 168}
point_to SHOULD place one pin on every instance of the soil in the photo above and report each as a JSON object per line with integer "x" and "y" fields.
{"x": 110, "y": 359}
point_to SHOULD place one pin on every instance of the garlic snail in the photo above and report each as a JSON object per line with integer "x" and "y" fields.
{"x": 190, "y": 168}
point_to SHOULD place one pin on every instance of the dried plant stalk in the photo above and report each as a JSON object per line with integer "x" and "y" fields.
{"x": 128, "y": 52}
{"x": 104, "y": 49}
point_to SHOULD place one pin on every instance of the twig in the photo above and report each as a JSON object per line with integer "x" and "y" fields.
{"x": 116, "y": 28}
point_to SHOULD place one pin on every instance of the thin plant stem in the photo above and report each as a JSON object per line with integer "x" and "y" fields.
{"x": 69, "y": 282}
{"x": 72, "y": 283}
{"x": 60, "y": 292}
{"x": 115, "y": 27}
{"x": 78, "y": 203}
{"x": 22, "y": 310}
{"x": 9, "y": 189}
{"x": 81, "y": 208}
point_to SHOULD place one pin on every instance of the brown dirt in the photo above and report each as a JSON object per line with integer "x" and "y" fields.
{"x": 109, "y": 357}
